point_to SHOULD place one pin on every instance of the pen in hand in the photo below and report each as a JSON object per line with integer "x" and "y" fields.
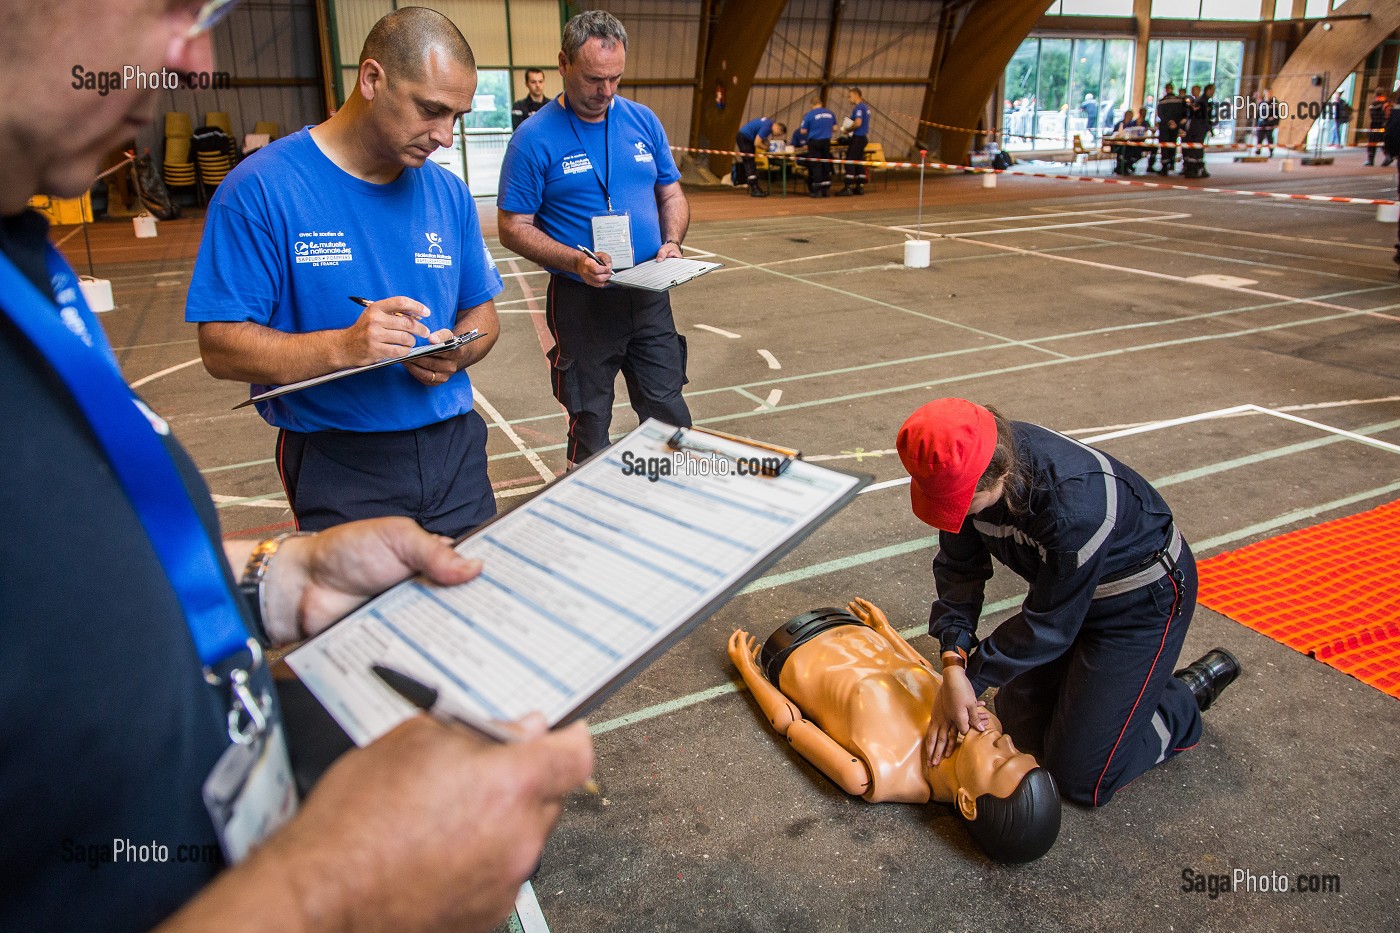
{"x": 428, "y": 699}
{"x": 365, "y": 303}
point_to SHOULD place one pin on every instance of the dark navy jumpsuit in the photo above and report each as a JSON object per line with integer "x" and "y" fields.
{"x": 1085, "y": 668}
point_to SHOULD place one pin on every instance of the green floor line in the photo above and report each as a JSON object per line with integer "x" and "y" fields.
{"x": 1289, "y": 518}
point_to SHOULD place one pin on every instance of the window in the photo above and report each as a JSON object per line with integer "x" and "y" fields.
{"x": 1187, "y": 62}
{"x": 1215, "y": 9}
{"x": 1091, "y": 8}
{"x": 479, "y": 143}
{"x": 1059, "y": 87}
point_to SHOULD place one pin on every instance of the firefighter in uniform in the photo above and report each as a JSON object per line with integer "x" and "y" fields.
{"x": 747, "y": 140}
{"x": 1171, "y": 123}
{"x": 1084, "y": 669}
{"x": 1377, "y": 113}
{"x": 818, "y": 126}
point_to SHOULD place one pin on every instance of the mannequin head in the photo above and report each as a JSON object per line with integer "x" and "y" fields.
{"x": 1009, "y": 801}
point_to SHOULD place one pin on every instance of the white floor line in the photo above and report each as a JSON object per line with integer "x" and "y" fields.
{"x": 251, "y": 503}
{"x": 1272, "y": 236}
{"x": 909, "y": 228}
{"x": 1311, "y": 406}
{"x": 527, "y": 911}
{"x": 765, "y": 404}
{"x": 770, "y": 359}
{"x": 480, "y": 400}
{"x": 994, "y": 232}
{"x": 893, "y": 244}
{"x": 1176, "y": 278}
{"x": 716, "y": 330}
{"x": 164, "y": 372}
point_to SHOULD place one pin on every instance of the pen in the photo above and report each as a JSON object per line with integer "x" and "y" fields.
{"x": 590, "y": 254}
{"x": 428, "y": 700}
{"x": 365, "y": 303}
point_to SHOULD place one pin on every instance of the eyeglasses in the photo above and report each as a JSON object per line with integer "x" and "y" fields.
{"x": 209, "y": 15}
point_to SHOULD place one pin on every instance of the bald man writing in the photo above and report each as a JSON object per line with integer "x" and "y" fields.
{"x": 353, "y": 207}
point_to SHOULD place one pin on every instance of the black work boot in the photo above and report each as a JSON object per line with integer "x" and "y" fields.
{"x": 1208, "y": 677}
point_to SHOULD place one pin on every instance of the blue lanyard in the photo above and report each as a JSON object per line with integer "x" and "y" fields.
{"x": 603, "y": 183}
{"x": 72, "y": 343}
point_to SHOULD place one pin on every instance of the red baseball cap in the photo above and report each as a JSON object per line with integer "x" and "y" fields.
{"x": 946, "y": 446}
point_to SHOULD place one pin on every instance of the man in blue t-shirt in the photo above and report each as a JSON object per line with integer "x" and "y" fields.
{"x": 594, "y": 170}
{"x": 859, "y": 128}
{"x": 353, "y": 207}
{"x": 747, "y": 140}
{"x": 818, "y": 126}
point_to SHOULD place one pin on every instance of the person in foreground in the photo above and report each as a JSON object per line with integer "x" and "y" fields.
{"x": 129, "y": 675}
{"x": 1084, "y": 668}
{"x": 854, "y": 699}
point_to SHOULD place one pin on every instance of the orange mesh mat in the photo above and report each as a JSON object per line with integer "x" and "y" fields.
{"x": 1331, "y": 591}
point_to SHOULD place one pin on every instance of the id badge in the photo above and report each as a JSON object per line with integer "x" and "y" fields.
{"x": 251, "y": 793}
{"x": 612, "y": 234}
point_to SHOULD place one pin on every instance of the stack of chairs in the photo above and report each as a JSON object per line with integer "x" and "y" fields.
{"x": 178, "y": 170}
{"x": 215, "y": 151}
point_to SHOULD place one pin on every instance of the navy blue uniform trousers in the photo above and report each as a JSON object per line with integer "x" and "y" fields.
{"x": 599, "y": 332}
{"x": 1109, "y": 709}
{"x": 435, "y": 475}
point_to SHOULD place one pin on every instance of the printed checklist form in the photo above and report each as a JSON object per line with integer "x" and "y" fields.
{"x": 582, "y": 586}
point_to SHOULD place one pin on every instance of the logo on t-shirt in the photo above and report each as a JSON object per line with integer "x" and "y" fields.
{"x": 578, "y": 162}
{"x": 642, "y": 154}
{"x": 319, "y": 248}
{"x": 434, "y": 257}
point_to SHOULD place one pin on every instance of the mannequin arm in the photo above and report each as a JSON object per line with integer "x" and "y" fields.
{"x": 873, "y": 616}
{"x": 849, "y": 772}
{"x": 780, "y": 712}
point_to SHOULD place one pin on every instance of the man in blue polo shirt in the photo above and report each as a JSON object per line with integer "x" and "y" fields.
{"x": 818, "y": 124}
{"x": 759, "y": 128}
{"x": 855, "y": 151}
{"x": 353, "y": 207}
{"x": 594, "y": 170}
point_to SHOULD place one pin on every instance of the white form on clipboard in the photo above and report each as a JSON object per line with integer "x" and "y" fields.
{"x": 583, "y": 586}
{"x": 663, "y": 274}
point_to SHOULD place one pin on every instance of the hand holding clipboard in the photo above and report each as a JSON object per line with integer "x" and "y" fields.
{"x": 427, "y": 349}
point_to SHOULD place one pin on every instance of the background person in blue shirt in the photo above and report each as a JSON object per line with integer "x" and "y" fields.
{"x": 749, "y": 134}
{"x": 818, "y": 125}
{"x": 589, "y": 158}
{"x": 354, "y": 207}
{"x": 855, "y": 150}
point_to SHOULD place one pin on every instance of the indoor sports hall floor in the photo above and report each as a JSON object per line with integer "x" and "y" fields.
{"x": 1085, "y": 307}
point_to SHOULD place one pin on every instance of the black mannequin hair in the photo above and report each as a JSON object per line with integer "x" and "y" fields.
{"x": 1022, "y": 827}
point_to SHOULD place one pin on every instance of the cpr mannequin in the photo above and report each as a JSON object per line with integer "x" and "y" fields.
{"x": 854, "y": 699}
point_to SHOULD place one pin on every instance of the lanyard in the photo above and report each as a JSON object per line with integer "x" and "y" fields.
{"x": 603, "y": 182}
{"x": 72, "y": 343}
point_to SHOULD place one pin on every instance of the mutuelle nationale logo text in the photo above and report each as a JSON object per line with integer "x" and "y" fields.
{"x": 322, "y": 248}
{"x": 434, "y": 256}
{"x": 578, "y": 162}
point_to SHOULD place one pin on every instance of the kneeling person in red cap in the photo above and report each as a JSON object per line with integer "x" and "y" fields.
{"x": 1084, "y": 669}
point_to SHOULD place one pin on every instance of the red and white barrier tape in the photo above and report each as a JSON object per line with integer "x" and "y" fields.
{"x": 976, "y": 170}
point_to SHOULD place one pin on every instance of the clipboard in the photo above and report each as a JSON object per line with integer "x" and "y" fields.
{"x": 663, "y": 275}
{"x": 427, "y": 349}
{"x": 541, "y": 579}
